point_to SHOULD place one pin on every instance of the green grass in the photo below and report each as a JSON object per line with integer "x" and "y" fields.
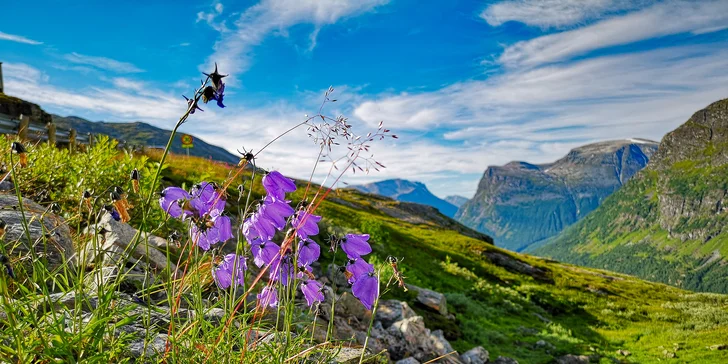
{"x": 583, "y": 311}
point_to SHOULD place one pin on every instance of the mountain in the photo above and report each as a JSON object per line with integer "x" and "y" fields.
{"x": 456, "y": 200}
{"x": 143, "y": 134}
{"x": 520, "y": 204}
{"x": 667, "y": 224}
{"x": 408, "y": 191}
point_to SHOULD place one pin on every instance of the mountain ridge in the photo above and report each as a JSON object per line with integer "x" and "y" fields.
{"x": 408, "y": 191}
{"x": 520, "y": 203}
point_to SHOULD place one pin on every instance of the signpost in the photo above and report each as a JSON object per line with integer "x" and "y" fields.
{"x": 187, "y": 143}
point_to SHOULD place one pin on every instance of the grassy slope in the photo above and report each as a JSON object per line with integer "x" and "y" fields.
{"x": 589, "y": 310}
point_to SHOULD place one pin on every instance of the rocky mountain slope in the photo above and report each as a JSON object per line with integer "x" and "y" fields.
{"x": 668, "y": 223}
{"x": 521, "y": 204}
{"x": 456, "y": 200}
{"x": 408, "y": 191}
{"x": 143, "y": 134}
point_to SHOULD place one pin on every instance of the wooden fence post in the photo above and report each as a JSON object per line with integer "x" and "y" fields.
{"x": 23, "y": 127}
{"x": 72, "y": 140}
{"x": 51, "y": 128}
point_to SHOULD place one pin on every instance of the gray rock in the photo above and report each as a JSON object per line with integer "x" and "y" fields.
{"x": 391, "y": 311}
{"x": 505, "y": 360}
{"x": 335, "y": 275}
{"x": 154, "y": 348}
{"x": 573, "y": 359}
{"x": 409, "y": 360}
{"x": 476, "y": 355}
{"x": 431, "y": 299}
{"x": 350, "y": 306}
{"x": 7, "y": 185}
{"x": 50, "y": 239}
{"x": 410, "y": 337}
{"x": 544, "y": 345}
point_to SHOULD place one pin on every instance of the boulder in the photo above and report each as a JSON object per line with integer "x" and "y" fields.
{"x": 391, "y": 311}
{"x": 573, "y": 359}
{"x": 50, "y": 236}
{"x": 431, "y": 299}
{"x": 409, "y": 337}
{"x": 476, "y": 355}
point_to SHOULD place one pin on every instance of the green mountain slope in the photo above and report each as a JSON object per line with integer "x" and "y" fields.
{"x": 142, "y": 134}
{"x": 667, "y": 224}
{"x": 508, "y": 302}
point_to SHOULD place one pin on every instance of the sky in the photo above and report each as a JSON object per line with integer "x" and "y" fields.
{"x": 463, "y": 84}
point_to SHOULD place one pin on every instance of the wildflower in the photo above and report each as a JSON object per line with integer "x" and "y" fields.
{"x": 205, "y": 198}
{"x": 232, "y": 267}
{"x": 356, "y": 245}
{"x": 114, "y": 214}
{"x": 19, "y": 149}
{"x": 216, "y": 78}
{"x": 366, "y": 289}
{"x": 192, "y": 105}
{"x": 276, "y": 185}
{"x": 121, "y": 204}
{"x": 306, "y": 224}
{"x": 281, "y": 269}
{"x": 268, "y": 297}
{"x": 209, "y": 93}
{"x": 276, "y": 211}
{"x": 312, "y": 291}
{"x": 135, "y": 180}
{"x": 211, "y": 230}
{"x": 170, "y": 198}
{"x": 357, "y": 268}
{"x": 264, "y": 251}
{"x": 308, "y": 252}
{"x": 263, "y": 227}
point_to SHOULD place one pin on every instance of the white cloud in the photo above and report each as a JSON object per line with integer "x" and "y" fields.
{"x": 211, "y": 18}
{"x": 18, "y": 38}
{"x": 673, "y": 17}
{"x": 102, "y": 63}
{"x": 257, "y": 22}
{"x": 555, "y": 13}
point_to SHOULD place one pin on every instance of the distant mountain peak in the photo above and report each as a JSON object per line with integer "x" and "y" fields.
{"x": 408, "y": 191}
{"x": 521, "y": 203}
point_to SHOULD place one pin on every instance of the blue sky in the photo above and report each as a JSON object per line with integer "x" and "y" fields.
{"x": 465, "y": 84}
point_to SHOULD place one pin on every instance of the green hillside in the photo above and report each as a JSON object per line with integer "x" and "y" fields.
{"x": 668, "y": 223}
{"x": 509, "y": 303}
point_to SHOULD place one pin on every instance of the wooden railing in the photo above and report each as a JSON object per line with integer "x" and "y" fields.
{"x": 26, "y": 129}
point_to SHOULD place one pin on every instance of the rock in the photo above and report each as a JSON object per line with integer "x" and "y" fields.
{"x": 719, "y": 347}
{"x": 410, "y": 337}
{"x": 336, "y": 275}
{"x": 544, "y": 345}
{"x": 573, "y": 359}
{"x": 515, "y": 265}
{"x": 431, "y": 299}
{"x": 114, "y": 238}
{"x": 155, "y": 347}
{"x": 391, "y": 311}
{"x": 409, "y": 360}
{"x": 50, "y": 240}
{"x": 624, "y": 352}
{"x": 476, "y": 355}
{"x": 7, "y": 185}
{"x": 505, "y": 360}
{"x": 350, "y": 306}
{"x": 440, "y": 344}
{"x": 349, "y": 355}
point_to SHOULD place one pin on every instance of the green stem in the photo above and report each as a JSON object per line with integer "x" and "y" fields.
{"x": 371, "y": 322}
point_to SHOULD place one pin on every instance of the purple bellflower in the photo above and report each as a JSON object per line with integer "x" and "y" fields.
{"x": 277, "y": 185}
{"x": 215, "y": 228}
{"x": 205, "y": 198}
{"x": 232, "y": 267}
{"x": 282, "y": 270}
{"x": 306, "y": 224}
{"x": 276, "y": 211}
{"x": 356, "y": 246}
{"x": 357, "y": 268}
{"x": 171, "y": 200}
{"x": 312, "y": 291}
{"x": 366, "y": 289}
{"x": 308, "y": 252}
{"x": 268, "y": 297}
{"x": 264, "y": 252}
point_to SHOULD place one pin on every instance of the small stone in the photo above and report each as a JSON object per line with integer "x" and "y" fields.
{"x": 505, "y": 360}
{"x": 624, "y": 352}
{"x": 156, "y": 347}
{"x": 431, "y": 299}
{"x": 391, "y": 311}
{"x": 409, "y": 360}
{"x": 573, "y": 359}
{"x": 719, "y": 347}
{"x": 476, "y": 355}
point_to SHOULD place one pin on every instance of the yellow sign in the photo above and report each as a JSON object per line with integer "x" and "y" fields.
{"x": 187, "y": 141}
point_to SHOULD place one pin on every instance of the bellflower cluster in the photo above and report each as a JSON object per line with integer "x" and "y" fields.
{"x": 365, "y": 284}
{"x": 204, "y": 205}
{"x": 233, "y": 267}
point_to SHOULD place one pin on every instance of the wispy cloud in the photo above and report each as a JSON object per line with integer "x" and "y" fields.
{"x": 555, "y": 13}
{"x": 103, "y": 63}
{"x": 258, "y": 21}
{"x": 18, "y": 38}
{"x": 211, "y": 17}
{"x": 673, "y": 17}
